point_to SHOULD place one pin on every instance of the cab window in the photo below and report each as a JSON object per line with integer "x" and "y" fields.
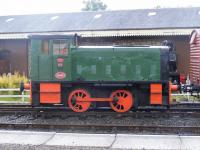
{"x": 60, "y": 47}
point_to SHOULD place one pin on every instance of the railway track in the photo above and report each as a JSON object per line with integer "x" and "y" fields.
{"x": 177, "y": 109}
{"x": 66, "y": 113}
{"x": 102, "y": 128}
{"x": 185, "y": 109}
{"x": 15, "y": 108}
{"x": 48, "y": 112}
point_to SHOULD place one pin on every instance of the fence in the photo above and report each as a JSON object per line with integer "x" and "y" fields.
{"x": 188, "y": 95}
{"x": 22, "y": 95}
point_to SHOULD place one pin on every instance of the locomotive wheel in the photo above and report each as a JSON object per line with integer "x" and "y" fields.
{"x": 74, "y": 100}
{"x": 122, "y": 101}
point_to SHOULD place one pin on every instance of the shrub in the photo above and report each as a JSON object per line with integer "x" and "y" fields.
{"x": 12, "y": 81}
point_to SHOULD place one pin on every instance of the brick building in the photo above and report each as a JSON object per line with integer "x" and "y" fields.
{"x": 124, "y": 27}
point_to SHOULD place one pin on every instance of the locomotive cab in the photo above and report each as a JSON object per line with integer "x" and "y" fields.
{"x": 51, "y": 53}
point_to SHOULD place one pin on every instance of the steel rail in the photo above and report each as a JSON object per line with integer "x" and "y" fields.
{"x": 26, "y": 108}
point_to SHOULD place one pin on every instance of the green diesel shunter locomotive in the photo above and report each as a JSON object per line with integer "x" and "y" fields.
{"x": 83, "y": 77}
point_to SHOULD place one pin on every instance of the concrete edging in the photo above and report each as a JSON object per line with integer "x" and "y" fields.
{"x": 114, "y": 141}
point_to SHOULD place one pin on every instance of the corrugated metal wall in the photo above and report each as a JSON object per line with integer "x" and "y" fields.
{"x": 195, "y": 57}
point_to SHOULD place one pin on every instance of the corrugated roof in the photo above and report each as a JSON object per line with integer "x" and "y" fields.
{"x": 103, "y": 20}
{"x": 113, "y": 33}
{"x": 14, "y": 36}
{"x": 152, "y": 32}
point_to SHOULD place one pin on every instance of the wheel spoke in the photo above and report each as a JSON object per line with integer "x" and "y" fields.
{"x": 79, "y": 94}
{"x": 76, "y": 106}
{"x": 73, "y": 103}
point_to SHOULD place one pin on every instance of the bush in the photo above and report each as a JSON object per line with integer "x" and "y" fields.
{"x": 12, "y": 81}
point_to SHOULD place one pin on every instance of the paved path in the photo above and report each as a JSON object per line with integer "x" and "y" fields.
{"x": 113, "y": 141}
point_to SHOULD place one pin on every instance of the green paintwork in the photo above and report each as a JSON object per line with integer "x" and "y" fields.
{"x": 116, "y": 64}
{"x": 44, "y": 66}
{"x": 96, "y": 63}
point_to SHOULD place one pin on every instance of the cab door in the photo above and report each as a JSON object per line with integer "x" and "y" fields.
{"x": 44, "y": 61}
{"x": 61, "y": 59}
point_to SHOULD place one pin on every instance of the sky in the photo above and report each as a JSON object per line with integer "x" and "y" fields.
{"x": 20, "y": 7}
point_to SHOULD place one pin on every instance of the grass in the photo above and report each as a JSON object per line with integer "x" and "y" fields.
{"x": 14, "y": 99}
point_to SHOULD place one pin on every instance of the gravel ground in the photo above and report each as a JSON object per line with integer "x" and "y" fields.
{"x": 145, "y": 120}
{"x": 149, "y": 120}
{"x": 167, "y": 121}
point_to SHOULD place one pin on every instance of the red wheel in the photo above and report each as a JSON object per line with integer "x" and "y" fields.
{"x": 75, "y": 98}
{"x": 122, "y": 101}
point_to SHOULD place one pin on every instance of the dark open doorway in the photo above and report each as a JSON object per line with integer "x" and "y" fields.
{"x": 5, "y": 65}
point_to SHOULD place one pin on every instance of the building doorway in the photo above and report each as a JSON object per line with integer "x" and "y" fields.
{"x": 5, "y": 65}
